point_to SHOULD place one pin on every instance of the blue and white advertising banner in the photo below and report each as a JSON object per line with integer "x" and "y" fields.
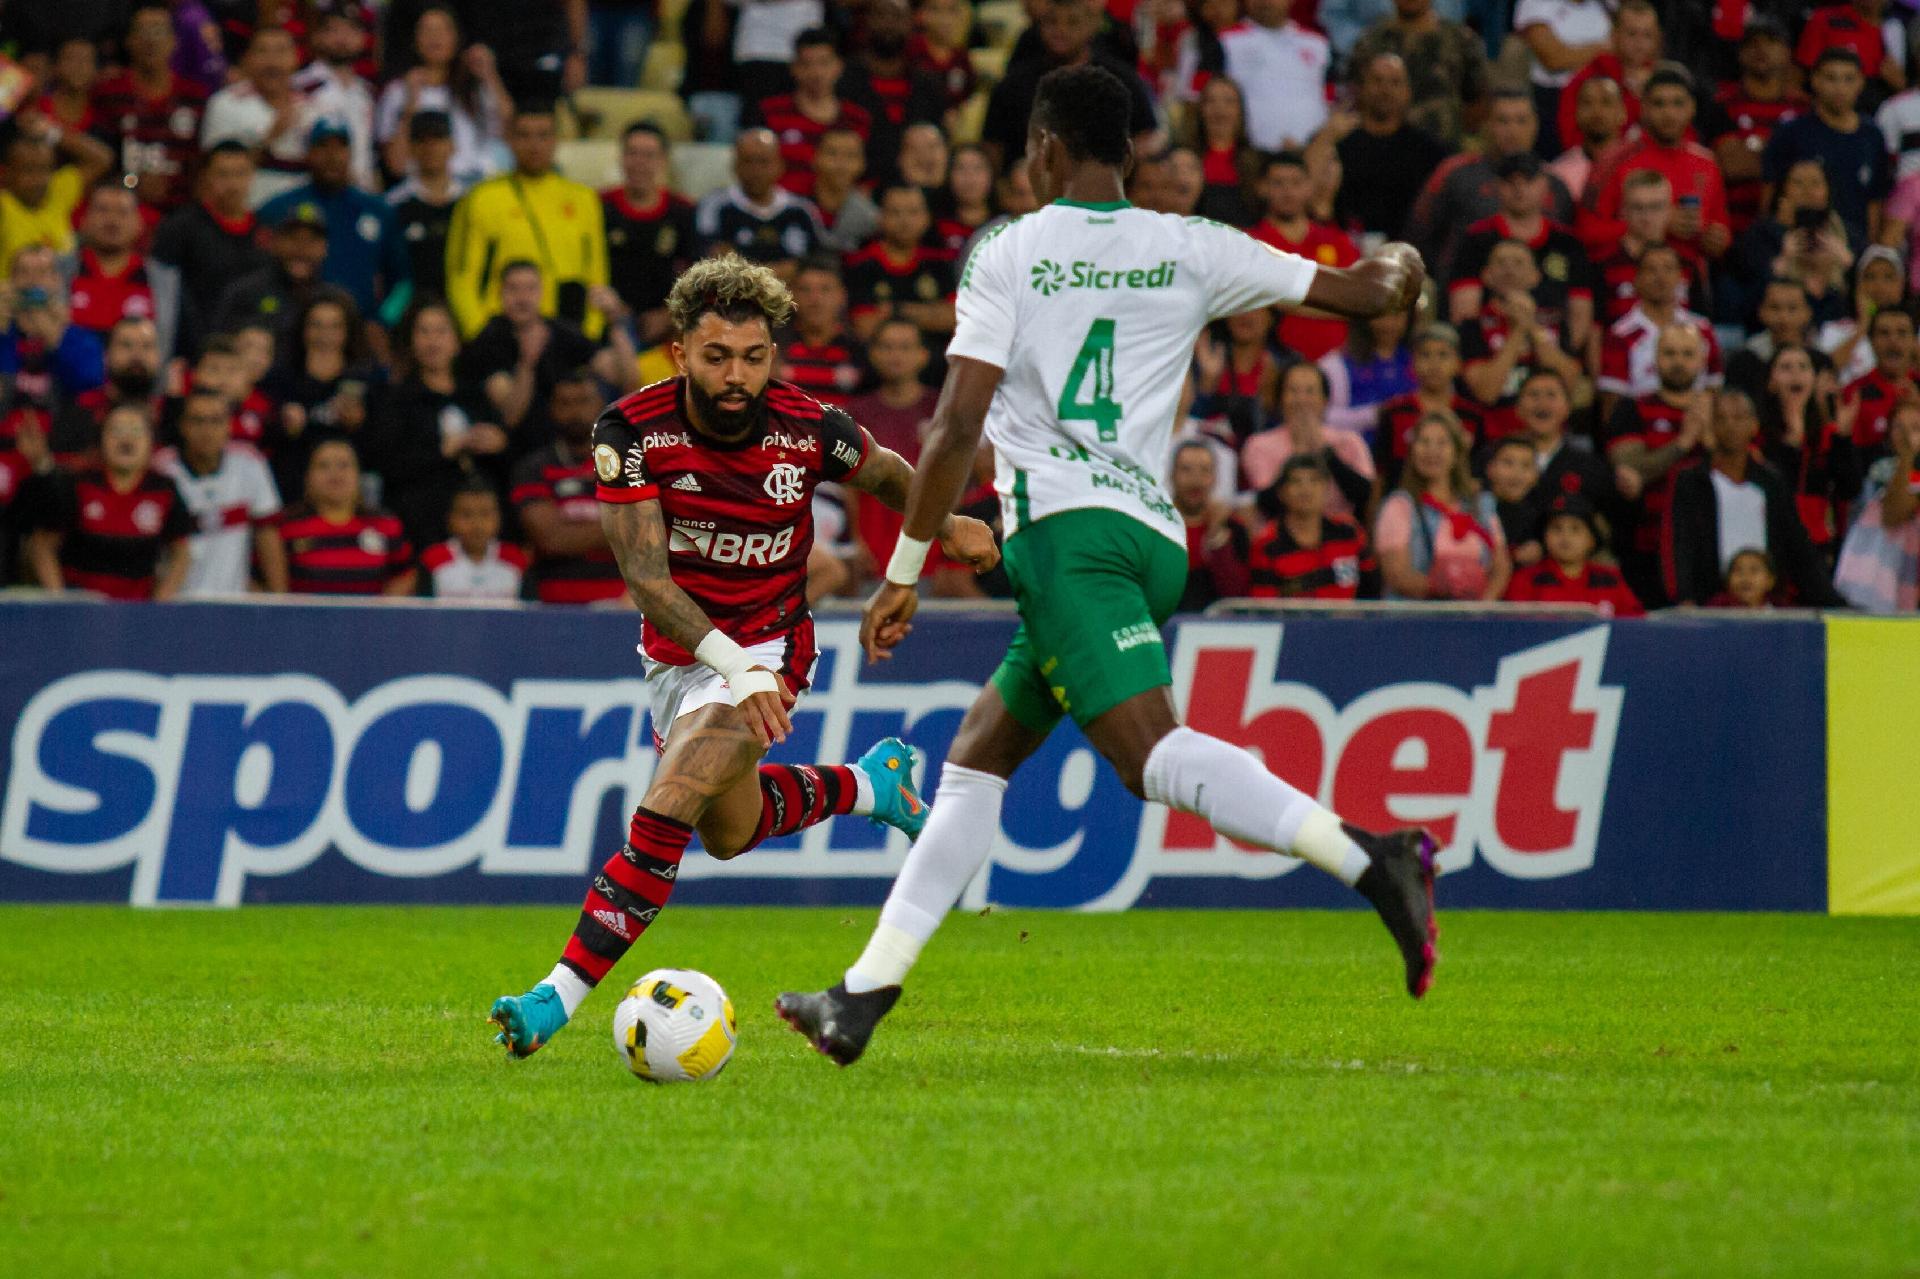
{"x": 218, "y": 754}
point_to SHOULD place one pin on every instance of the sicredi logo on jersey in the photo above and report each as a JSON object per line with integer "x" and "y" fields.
{"x": 1049, "y": 277}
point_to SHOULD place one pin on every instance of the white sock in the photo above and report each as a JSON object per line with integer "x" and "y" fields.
{"x": 1242, "y": 800}
{"x": 570, "y": 986}
{"x": 949, "y": 853}
{"x": 862, "y": 793}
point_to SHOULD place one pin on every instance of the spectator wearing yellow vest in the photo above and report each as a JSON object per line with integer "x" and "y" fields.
{"x": 531, "y": 214}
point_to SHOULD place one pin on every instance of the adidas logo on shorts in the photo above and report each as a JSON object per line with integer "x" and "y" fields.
{"x": 687, "y": 484}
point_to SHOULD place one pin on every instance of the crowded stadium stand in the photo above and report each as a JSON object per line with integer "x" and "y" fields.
{"x": 291, "y": 292}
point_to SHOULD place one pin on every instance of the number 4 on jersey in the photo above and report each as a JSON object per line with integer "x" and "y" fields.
{"x": 1092, "y": 375}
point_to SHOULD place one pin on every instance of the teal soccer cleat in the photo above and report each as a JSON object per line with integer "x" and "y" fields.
{"x": 888, "y": 764}
{"x": 528, "y": 1021}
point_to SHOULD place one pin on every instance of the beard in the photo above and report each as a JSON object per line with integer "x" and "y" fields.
{"x": 134, "y": 383}
{"x": 726, "y": 424}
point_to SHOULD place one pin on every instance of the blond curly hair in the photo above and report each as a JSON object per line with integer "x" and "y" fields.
{"x": 733, "y": 288}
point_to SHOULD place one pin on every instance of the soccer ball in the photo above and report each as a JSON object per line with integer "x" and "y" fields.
{"x": 674, "y": 1027}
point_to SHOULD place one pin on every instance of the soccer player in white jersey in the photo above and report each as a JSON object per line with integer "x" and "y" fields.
{"x": 231, "y": 493}
{"x": 1075, "y": 326}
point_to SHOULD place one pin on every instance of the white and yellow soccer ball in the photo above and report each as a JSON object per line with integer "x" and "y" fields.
{"x": 675, "y": 1026}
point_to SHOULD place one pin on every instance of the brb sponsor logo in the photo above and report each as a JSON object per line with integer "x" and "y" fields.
{"x": 207, "y": 784}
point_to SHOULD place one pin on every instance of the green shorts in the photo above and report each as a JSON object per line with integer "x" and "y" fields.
{"x": 1094, "y": 588}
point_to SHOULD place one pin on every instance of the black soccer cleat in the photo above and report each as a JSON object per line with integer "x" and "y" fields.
{"x": 837, "y": 1022}
{"x": 1400, "y": 886}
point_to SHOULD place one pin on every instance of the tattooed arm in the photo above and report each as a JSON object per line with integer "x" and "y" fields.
{"x": 638, "y": 537}
{"x": 889, "y": 477}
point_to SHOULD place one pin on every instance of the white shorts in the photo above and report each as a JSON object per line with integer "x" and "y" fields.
{"x": 682, "y": 690}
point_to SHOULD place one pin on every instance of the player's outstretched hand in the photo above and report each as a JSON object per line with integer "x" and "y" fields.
{"x": 766, "y": 713}
{"x": 888, "y": 619}
{"x": 1404, "y": 262}
{"x": 970, "y": 542}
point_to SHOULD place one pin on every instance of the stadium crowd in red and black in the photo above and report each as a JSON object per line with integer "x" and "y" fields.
{"x": 416, "y": 245}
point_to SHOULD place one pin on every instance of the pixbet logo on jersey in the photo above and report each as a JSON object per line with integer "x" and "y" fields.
{"x": 213, "y": 787}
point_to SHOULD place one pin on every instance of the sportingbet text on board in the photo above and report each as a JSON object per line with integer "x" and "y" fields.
{"x": 220, "y": 754}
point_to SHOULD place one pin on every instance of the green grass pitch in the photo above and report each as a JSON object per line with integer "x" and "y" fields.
{"x": 312, "y": 1093}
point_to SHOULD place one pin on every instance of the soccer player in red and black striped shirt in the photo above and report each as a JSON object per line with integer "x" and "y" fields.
{"x": 706, "y": 482}
{"x": 337, "y": 546}
{"x": 119, "y": 528}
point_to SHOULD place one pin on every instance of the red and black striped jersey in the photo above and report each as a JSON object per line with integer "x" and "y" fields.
{"x": 799, "y": 135}
{"x": 110, "y": 540}
{"x": 158, "y": 138}
{"x": 1596, "y": 584}
{"x": 556, "y": 475}
{"x": 739, "y": 516}
{"x": 99, "y": 301}
{"x": 877, "y": 280}
{"x": 1393, "y": 434}
{"x": 1651, "y": 421}
{"x": 829, "y": 371}
{"x": 1280, "y": 568}
{"x": 358, "y": 556}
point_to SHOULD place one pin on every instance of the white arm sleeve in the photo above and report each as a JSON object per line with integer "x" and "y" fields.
{"x": 985, "y": 306}
{"x": 1244, "y": 273}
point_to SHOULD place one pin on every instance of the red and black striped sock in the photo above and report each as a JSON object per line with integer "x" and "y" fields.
{"x": 796, "y": 796}
{"x": 628, "y": 892}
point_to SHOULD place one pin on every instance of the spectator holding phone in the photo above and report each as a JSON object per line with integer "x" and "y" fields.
{"x": 1850, "y": 149}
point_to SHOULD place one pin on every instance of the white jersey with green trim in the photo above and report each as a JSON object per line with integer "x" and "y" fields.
{"x": 1092, "y": 311}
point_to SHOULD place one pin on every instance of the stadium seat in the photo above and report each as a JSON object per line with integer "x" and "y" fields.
{"x": 1001, "y": 21}
{"x": 604, "y": 113}
{"x": 990, "y": 65}
{"x": 972, "y": 118}
{"x": 673, "y": 15}
{"x": 666, "y": 60}
{"x": 594, "y": 161}
{"x": 701, "y": 167}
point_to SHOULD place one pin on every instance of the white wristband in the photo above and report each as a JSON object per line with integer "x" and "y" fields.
{"x": 722, "y": 655}
{"x": 909, "y": 557}
{"x": 734, "y": 665}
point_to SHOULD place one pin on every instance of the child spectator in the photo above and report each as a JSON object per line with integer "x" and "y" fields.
{"x": 1570, "y": 534}
{"x": 337, "y": 544}
{"x": 1751, "y": 581}
{"x": 1301, "y": 552}
{"x": 474, "y": 564}
{"x": 1437, "y": 537}
{"x": 1513, "y": 477}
